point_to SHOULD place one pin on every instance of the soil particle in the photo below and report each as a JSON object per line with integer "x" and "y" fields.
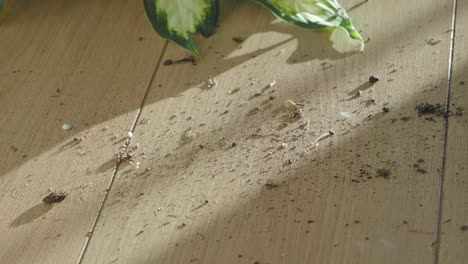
{"x": 168, "y": 62}
{"x": 433, "y": 41}
{"x": 294, "y": 109}
{"x": 238, "y": 39}
{"x": 464, "y": 227}
{"x": 54, "y": 197}
{"x": 419, "y": 169}
{"x": 374, "y": 79}
{"x": 386, "y": 109}
{"x": 271, "y": 185}
{"x": 385, "y": 173}
{"x": 430, "y": 109}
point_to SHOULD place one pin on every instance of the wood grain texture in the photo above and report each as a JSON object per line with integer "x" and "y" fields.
{"x": 222, "y": 174}
{"x": 87, "y": 63}
{"x": 454, "y": 220}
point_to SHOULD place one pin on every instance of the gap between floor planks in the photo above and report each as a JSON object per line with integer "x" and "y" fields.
{"x": 119, "y": 162}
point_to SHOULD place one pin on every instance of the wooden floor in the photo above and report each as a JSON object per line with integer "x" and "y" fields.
{"x": 223, "y": 174}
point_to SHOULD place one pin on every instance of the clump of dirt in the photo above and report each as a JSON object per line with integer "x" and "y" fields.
{"x": 459, "y": 111}
{"x": 189, "y": 58}
{"x": 419, "y": 169}
{"x": 238, "y": 39}
{"x": 294, "y": 109}
{"x": 54, "y": 197}
{"x": 385, "y": 173}
{"x": 374, "y": 79}
{"x": 430, "y": 109}
{"x": 271, "y": 185}
{"x": 168, "y": 62}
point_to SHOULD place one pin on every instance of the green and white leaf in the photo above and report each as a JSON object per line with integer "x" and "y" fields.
{"x": 318, "y": 15}
{"x": 179, "y": 20}
{"x": 2, "y": 3}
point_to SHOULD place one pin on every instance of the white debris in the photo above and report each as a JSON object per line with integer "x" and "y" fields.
{"x": 67, "y": 126}
{"x": 345, "y": 115}
{"x": 130, "y": 134}
{"x": 324, "y": 136}
{"x": 272, "y": 83}
{"x": 280, "y": 52}
{"x": 212, "y": 82}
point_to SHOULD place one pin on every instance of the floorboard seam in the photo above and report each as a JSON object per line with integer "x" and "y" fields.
{"x": 436, "y": 243}
{"x": 119, "y": 161}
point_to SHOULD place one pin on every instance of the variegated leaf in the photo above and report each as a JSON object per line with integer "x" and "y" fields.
{"x": 2, "y": 3}
{"x": 179, "y": 20}
{"x": 318, "y": 15}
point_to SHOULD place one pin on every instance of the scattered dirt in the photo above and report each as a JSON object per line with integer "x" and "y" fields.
{"x": 385, "y": 173}
{"x": 459, "y": 111}
{"x": 419, "y": 169}
{"x": 464, "y": 227}
{"x": 54, "y": 197}
{"x": 430, "y": 109}
{"x": 386, "y": 109}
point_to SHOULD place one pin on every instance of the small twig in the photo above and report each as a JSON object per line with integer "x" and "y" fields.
{"x": 324, "y": 136}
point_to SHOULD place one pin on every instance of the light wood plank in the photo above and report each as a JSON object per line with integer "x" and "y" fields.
{"x": 77, "y": 62}
{"x": 196, "y": 198}
{"x": 454, "y": 220}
